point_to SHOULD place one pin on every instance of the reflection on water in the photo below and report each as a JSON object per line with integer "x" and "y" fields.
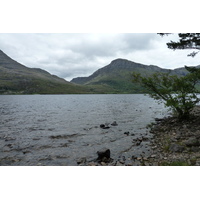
{"x": 59, "y": 129}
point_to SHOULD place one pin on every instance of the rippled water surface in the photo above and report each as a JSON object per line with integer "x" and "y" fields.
{"x": 59, "y": 129}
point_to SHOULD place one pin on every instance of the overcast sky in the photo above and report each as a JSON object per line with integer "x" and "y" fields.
{"x": 71, "y": 55}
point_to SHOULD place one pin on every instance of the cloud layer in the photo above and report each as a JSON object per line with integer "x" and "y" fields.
{"x": 70, "y": 55}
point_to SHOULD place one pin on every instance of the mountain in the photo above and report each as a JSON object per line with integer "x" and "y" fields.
{"x": 116, "y": 77}
{"x": 17, "y": 78}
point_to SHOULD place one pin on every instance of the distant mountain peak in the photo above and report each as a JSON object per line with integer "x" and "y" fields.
{"x": 119, "y": 60}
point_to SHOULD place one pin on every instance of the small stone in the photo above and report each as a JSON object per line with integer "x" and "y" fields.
{"x": 192, "y": 142}
{"x": 103, "y": 163}
{"x": 194, "y": 149}
{"x": 176, "y": 148}
{"x": 138, "y": 143}
{"x": 81, "y": 160}
{"x": 126, "y": 133}
{"x": 106, "y": 127}
{"x": 102, "y": 125}
{"x": 114, "y": 123}
{"x": 92, "y": 164}
{"x": 103, "y": 153}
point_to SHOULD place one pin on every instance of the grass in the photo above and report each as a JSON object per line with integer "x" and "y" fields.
{"x": 175, "y": 163}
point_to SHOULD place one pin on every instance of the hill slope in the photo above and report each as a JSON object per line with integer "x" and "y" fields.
{"x": 16, "y": 78}
{"x": 116, "y": 77}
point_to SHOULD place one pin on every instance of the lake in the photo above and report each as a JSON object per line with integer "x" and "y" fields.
{"x": 60, "y": 129}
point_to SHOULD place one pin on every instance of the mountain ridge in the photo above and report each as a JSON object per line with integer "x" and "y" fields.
{"x": 116, "y": 77}
{"x": 19, "y": 79}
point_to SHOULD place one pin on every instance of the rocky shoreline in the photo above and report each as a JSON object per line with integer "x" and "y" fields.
{"x": 177, "y": 143}
{"x": 174, "y": 143}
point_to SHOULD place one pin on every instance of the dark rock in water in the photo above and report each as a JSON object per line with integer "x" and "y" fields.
{"x": 114, "y": 123}
{"x": 81, "y": 160}
{"x": 176, "y": 148}
{"x": 103, "y": 126}
{"x": 103, "y": 153}
{"x": 106, "y": 127}
{"x": 138, "y": 143}
{"x": 9, "y": 138}
{"x": 126, "y": 133}
{"x": 159, "y": 119}
{"x": 192, "y": 142}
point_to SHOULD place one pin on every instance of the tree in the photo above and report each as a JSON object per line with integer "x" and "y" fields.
{"x": 186, "y": 41}
{"x": 178, "y": 92}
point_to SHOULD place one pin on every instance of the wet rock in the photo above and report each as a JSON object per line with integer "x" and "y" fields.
{"x": 192, "y": 142}
{"x": 9, "y": 138}
{"x": 126, "y": 133}
{"x": 103, "y": 153}
{"x": 176, "y": 148}
{"x": 159, "y": 119}
{"x": 138, "y": 143}
{"x": 122, "y": 159}
{"x": 103, "y": 126}
{"x": 62, "y": 136}
{"x": 36, "y": 138}
{"x": 106, "y": 127}
{"x": 114, "y": 123}
{"x": 134, "y": 157}
{"x": 81, "y": 160}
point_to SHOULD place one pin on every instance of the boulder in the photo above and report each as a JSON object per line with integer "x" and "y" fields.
{"x": 103, "y": 153}
{"x": 192, "y": 142}
{"x": 176, "y": 148}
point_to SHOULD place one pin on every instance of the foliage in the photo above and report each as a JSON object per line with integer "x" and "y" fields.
{"x": 177, "y": 92}
{"x": 186, "y": 41}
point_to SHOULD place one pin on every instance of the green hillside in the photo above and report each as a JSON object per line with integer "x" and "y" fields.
{"x": 116, "y": 77}
{"x": 18, "y": 79}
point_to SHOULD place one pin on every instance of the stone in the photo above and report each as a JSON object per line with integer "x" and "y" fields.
{"x": 114, "y": 123}
{"x": 176, "y": 148}
{"x": 192, "y": 142}
{"x": 103, "y": 153}
{"x": 106, "y": 127}
{"x": 194, "y": 149}
{"x": 126, "y": 133}
{"x": 159, "y": 119}
{"x": 81, "y": 160}
{"x": 103, "y": 126}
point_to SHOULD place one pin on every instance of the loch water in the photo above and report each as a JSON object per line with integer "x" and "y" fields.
{"x": 60, "y": 129}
